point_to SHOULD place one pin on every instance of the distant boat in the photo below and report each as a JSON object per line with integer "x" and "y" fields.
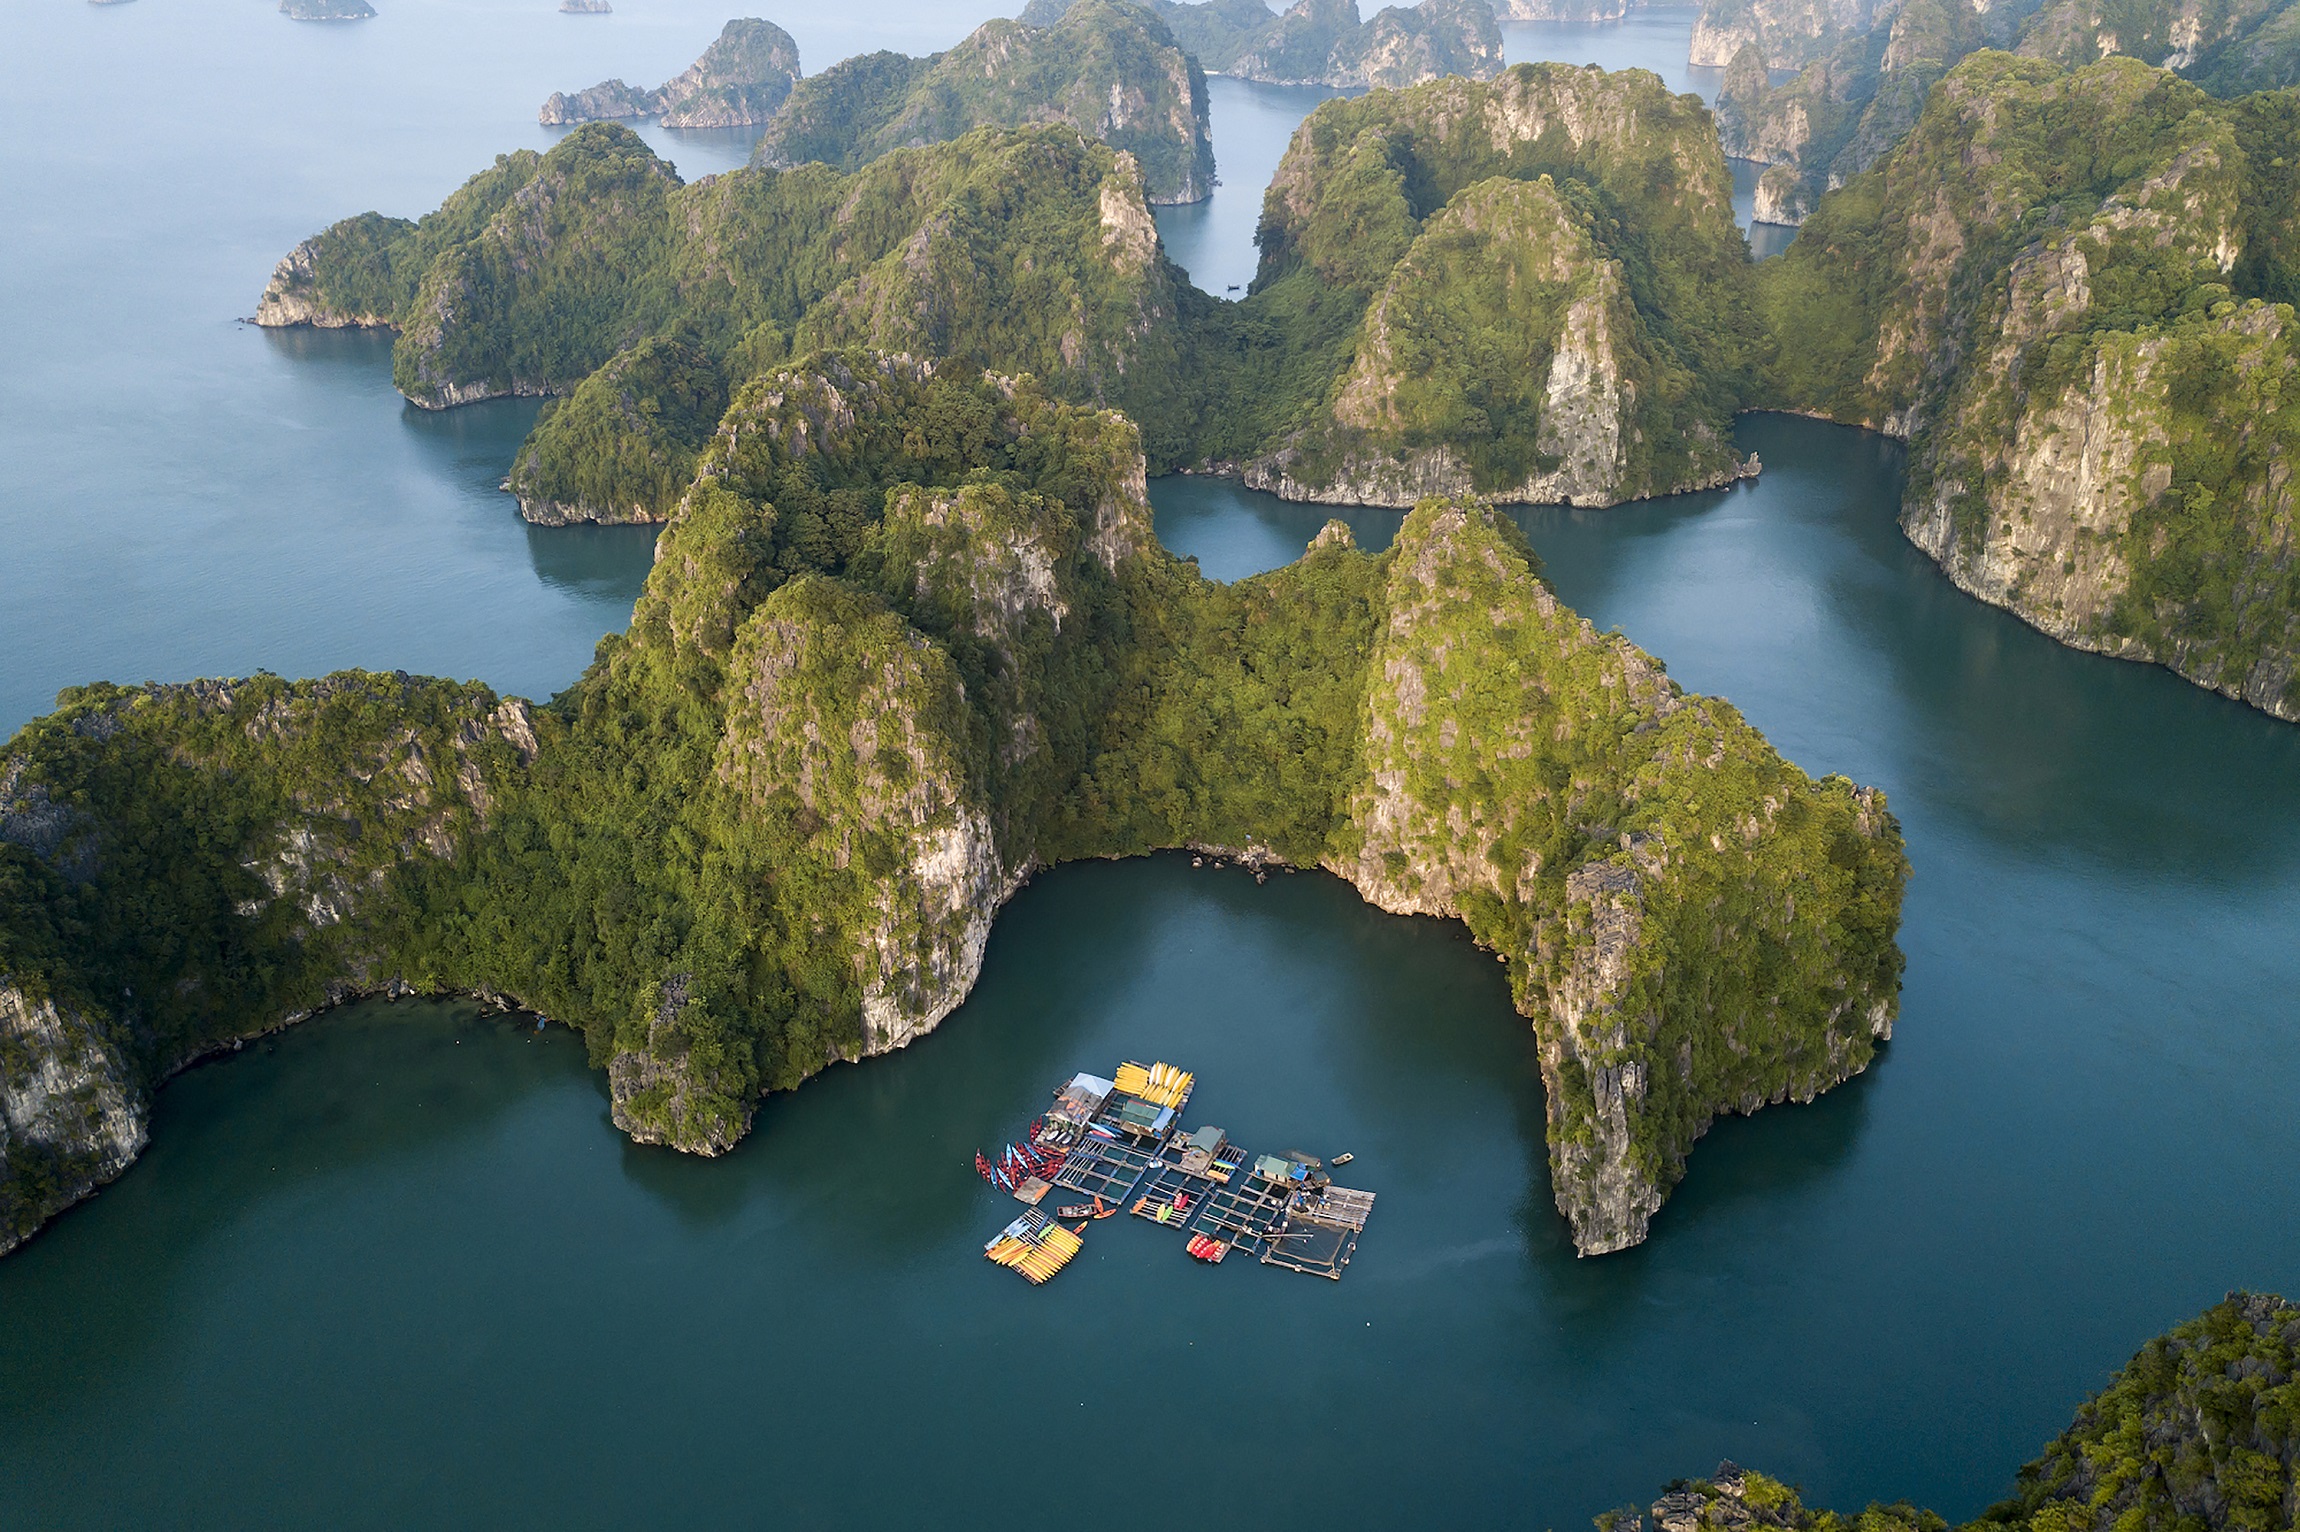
{"x": 1342, "y": 1159}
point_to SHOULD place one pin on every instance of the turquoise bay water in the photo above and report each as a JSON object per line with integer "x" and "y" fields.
{"x": 396, "y": 1267}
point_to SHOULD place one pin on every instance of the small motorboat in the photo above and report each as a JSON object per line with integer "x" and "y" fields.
{"x": 1341, "y": 1159}
{"x": 1095, "y": 1209}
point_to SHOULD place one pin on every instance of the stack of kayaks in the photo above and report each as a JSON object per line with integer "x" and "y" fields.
{"x": 1034, "y": 1245}
{"x": 1158, "y": 1084}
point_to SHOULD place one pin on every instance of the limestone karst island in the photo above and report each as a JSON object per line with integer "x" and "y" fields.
{"x": 1623, "y": 677}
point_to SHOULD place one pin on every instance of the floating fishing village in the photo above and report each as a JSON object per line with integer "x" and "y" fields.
{"x": 1120, "y": 1145}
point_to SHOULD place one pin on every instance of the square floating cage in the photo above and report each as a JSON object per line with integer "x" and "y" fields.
{"x": 1320, "y": 1231}
{"x": 1242, "y": 1215}
{"x": 1170, "y": 1196}
{"x": 1101, "y": 1167}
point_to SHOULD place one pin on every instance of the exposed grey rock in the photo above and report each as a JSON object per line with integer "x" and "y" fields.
{"x": 70, "y": 1116}
{"x": 326, "y": 10}
{"x": 738, "y": 82}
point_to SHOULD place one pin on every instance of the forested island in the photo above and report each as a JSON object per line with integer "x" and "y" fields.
{"x": 738, "y": 81}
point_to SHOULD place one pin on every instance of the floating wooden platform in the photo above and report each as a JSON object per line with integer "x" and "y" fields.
{"x": 1120, "y": 1141}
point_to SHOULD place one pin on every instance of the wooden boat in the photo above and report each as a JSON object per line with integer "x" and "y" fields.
{"x": 1096, "y": 1209}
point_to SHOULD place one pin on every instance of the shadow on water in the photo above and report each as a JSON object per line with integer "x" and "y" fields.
{"x": 1743, "y": 1165}
{"x": 609, "y": 563}
{"x": 877, "y": 1161}
{"x": 290, "y": 1129}
{"x": 362, "y": 356}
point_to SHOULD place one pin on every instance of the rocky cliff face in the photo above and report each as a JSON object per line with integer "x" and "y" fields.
{"x": 1604, "y": 832}
{"x": 1781, "y": 198}
{"x": 71, "y": 1114}
{"x": 1787, "y": 34}
{"x": 295, "y": 294}
{"x": 2096, "y": 405}
{"x": 1504, "y": 350}
{"x": 1506, "y": 273}
{"x": 739, "y": 81}
{"x": 2171, "y": 33}
{"x": 1323, "y": 42}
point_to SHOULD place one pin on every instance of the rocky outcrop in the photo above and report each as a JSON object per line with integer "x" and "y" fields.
{"x": 229, "y": 851}
{"x": 1032, "y": 249}
{"x": 1513, "y": 250}
{"x": 861, "y": 718}
{"x": 1756, "y": 122}
{"x": 2095, "y": 405}
{"x": 1503, "y": 351}
{"x": 326, "y": 10}
{"x": 909, "y": 636}
{"x": 2171, "y": 33}
{"x": 649, "y": 409}
{"x": 1562, "y": 10}
{"x": 71, "y": 1115}
{"x": 293, "y": 296}
{"x": 1781, "y": 198}
{"x": 739, "y": 81}
{"x": 604, "y": 102}
{"x": 1323, "y": 42}
{"x": 1787, "y": 34}
{"x": 1650, "y": 1022}
{"x": 1111, "y": 70}
{"x": 1329, "y": 42}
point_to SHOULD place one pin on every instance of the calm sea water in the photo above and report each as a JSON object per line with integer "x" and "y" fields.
{"x": 397, "y": 1268}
